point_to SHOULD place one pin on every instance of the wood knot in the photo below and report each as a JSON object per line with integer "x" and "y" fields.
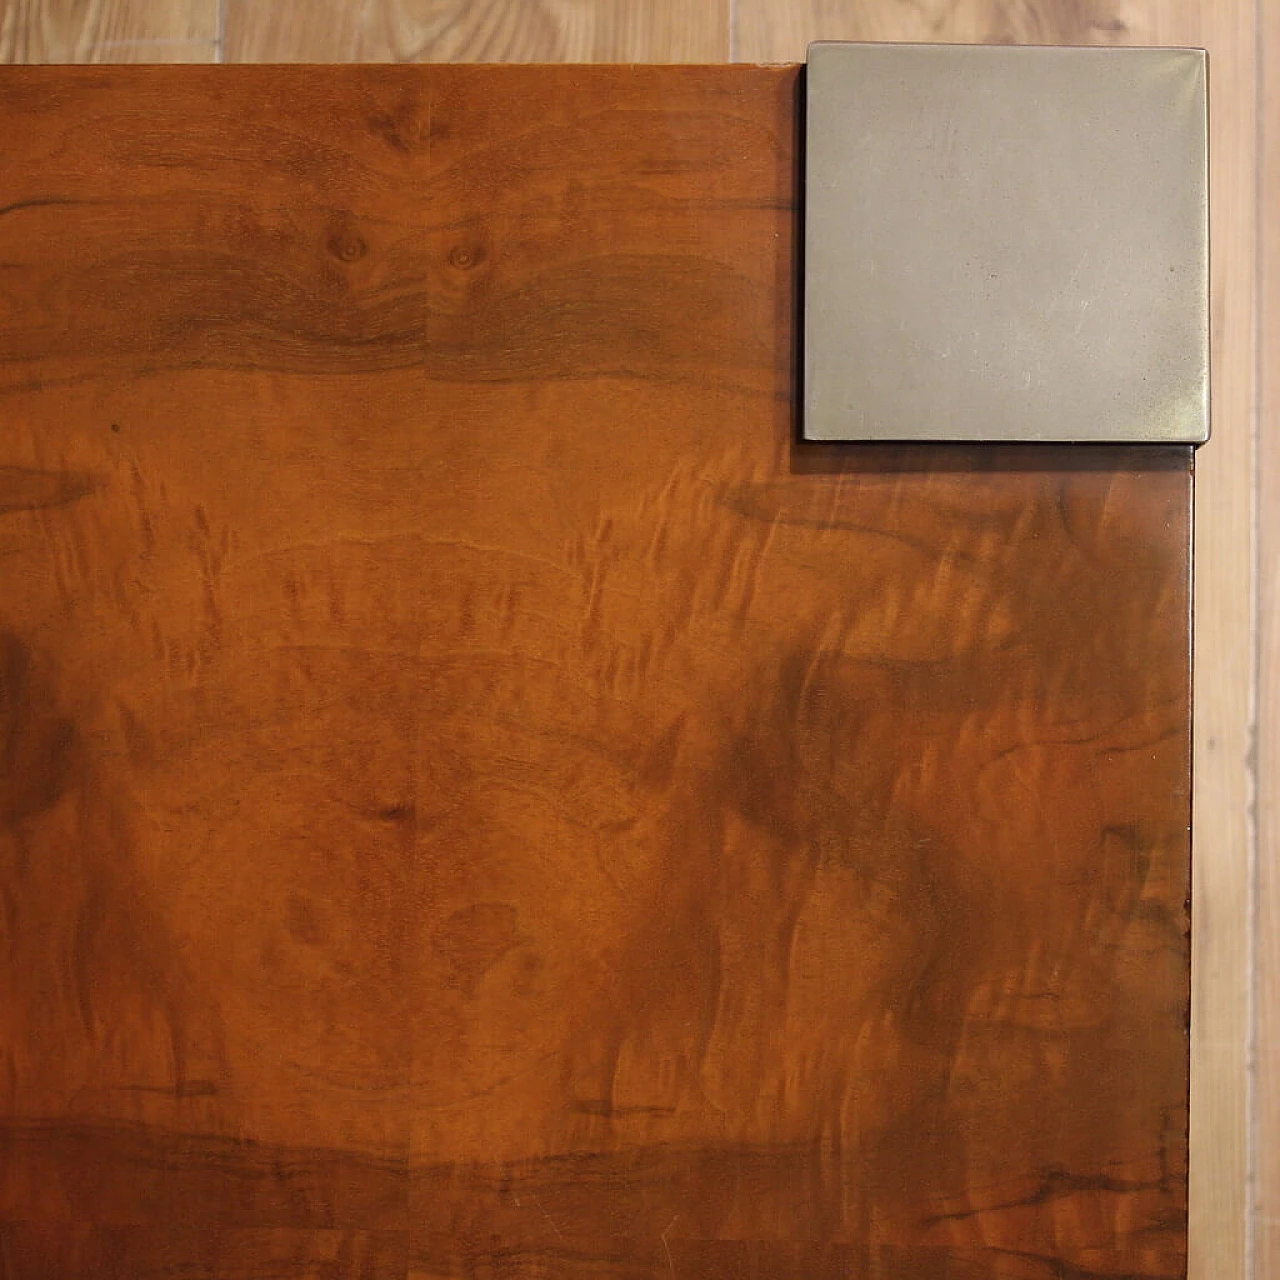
{"x": 346, "y": 246}
{"x": 466, "y": 256}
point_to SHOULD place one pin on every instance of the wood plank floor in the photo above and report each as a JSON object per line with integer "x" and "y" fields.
{"x": 1226, "y": 781}
{"x": 109, "y": 31}
{"x": 476, "y": 31}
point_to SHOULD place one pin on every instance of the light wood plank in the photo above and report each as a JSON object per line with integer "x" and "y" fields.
{"x": 1224, "y": 639}
{"x": 771, "y": 32}
{"x": 1224, "y": 515}
{"x": 479, "y": 31}
{"x": 1267, "y": 1115}
{"x": 35, "y": 31}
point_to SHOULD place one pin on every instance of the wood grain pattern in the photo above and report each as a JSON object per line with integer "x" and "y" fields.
{"x": 33, "y": 31}
{"x": 776, "y": 32}
{"x": 478, "y": 799}
{"x": 1225, "y": 782}
{"x": 1267, "y": 1124}
{"x": 488, "y": 31}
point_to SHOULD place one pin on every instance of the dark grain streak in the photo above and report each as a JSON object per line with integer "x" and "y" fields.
{"x": 37, "y": 202}
{"x": 38, "y": 747}
{"x": 1056, "y": 1183}
{"x": 30, "y": 489}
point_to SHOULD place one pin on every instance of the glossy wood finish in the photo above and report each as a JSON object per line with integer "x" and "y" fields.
{"x": 477, "y": 798}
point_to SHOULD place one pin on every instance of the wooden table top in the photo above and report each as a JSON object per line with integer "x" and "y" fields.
{"x": 477, "y": 797}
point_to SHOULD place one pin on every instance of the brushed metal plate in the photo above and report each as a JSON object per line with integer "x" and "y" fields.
{"x": 1006, "y": 244}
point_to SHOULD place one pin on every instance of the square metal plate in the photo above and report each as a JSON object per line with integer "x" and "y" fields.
{"x": 1006, "y": 244}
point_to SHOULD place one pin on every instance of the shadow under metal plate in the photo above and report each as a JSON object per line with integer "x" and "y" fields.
{"x": 1006, "y": 244}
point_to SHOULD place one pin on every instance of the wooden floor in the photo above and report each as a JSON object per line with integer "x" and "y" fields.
{"x": 1236, "y": 995}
